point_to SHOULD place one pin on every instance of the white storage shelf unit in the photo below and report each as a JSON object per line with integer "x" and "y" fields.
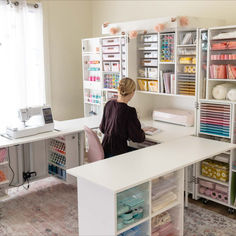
{"x": 221, "y": 66}
{"x": 215, "y": 178}
{"x": 103, "y": 66}
{"x": 168, "y": 62}
{"x": 113, "y": 61}
{"x": 147, "y": 209}
{"x": 92, "y": 76}
{"x": 136, "y": 191}
{"x": 217, "y": 116}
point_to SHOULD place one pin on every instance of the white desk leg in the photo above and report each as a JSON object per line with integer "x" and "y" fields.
{"x": 31, "y": 157}
{"x": 20, "y": 157}
{"x": 186, "y": 186}
{"x": 81, "y": 147}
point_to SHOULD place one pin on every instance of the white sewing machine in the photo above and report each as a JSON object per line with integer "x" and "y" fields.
{"x": 42, "y": 122}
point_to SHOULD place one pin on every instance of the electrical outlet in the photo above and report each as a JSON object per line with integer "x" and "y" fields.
{"x": 28, "y": 175}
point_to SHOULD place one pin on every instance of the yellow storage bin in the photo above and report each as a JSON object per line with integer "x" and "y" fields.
{"x": 215, "y": 170}
{"x": 185, "y": 60}
{"x": 143, "y": 84}
{"x": 153, "y": 85}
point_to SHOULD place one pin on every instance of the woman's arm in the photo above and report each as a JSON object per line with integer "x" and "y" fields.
{"x": 102, "y": 124}
{"x": 135, "y": 132}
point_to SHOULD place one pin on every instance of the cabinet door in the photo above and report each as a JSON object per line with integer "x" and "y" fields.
{"x": 72, "y": 154}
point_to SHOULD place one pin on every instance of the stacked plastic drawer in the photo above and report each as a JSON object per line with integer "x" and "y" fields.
{"x": 215, "y": 119}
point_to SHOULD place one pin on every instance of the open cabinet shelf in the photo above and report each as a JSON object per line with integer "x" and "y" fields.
{"x": 140, "y": 209}
{"x": 4, "y": 173}
{"x": 217, "y": 69}
{"x": 63, "y": 154}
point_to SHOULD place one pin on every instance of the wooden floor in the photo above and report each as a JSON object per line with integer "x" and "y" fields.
{"x": 213, "y": 206}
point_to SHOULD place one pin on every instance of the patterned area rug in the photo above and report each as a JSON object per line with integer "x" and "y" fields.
{"x": 202, "y": 222}
{"x": 49, "y": 208}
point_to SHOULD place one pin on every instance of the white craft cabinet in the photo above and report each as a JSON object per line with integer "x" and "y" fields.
{"x": 105, "y": 61}
{"x": 92, "y": 76}
{"x": 167, "y": 63}
{"x": 216, "y": 117}
{"x": 145, "y": 209}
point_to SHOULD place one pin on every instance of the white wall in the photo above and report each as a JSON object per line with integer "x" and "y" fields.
{"x": 69, "y": 21}
{"x": 119, "y": 11}
{"x": 66, "y": 23}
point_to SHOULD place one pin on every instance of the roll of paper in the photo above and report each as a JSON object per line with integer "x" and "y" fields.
{"x": 214, "y": 194}
{"x": 225, "y": 197}
{"x": 220, "y": 91}
{"x": 220, "y": 196}
{"x": 231, "y": 95}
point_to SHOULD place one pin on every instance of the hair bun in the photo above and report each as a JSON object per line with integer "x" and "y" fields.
{"x": 126, "y": 86}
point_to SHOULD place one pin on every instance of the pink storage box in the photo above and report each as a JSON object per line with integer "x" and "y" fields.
{"x": 231, "y": 45}
{"x": 221, "y": 188}
{"x": 219, "y": 46}
{"x": 218, "y": 72}
{"x": 207, "y": 184}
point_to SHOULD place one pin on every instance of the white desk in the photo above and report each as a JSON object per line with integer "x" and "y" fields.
{"x": 61, "y": 128}
{"x": 106, "y": 178}
{"x": 22, "y": 157}
{"x": 168, "y": 131}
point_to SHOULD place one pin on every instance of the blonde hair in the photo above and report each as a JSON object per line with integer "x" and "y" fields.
{"x": 126, "y": 86}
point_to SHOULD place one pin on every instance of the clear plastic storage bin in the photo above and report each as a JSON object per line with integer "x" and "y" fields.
{"x": 132, "y": 205}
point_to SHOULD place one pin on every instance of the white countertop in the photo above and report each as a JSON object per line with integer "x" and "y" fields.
{"x": 61, "y": 128}
{"x": 168, "y": 131}
{"x": 133, "y": 168}
{"x": 78, "y": 124}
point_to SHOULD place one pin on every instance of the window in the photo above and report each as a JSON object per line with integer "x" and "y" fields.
{"x": 22, "y": 80}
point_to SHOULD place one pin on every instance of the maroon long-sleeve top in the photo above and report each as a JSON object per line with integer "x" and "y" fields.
{"x": 119, "y": 124}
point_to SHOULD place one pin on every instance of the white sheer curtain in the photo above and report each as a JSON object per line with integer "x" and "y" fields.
{"x": 22, "y": 80}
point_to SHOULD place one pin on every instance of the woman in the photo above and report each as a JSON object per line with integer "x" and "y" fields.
{"x": 120, "y": 122}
